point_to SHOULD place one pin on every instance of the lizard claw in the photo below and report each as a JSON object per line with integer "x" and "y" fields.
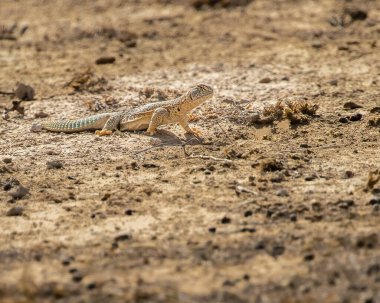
{"x": 103, "y": 132}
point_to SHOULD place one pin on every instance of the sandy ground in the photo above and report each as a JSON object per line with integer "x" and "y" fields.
{"x": 261, "y": 210}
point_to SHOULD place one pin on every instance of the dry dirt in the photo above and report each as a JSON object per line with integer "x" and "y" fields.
{"x": 285, "y": 209}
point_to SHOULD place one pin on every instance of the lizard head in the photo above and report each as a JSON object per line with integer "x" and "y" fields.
{"x": 201, "y": 91}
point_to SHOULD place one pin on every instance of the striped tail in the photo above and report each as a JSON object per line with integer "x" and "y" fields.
{"x": 72, "y": 126}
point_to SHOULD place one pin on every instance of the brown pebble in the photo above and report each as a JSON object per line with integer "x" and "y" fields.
{"x": 15, "y": 211}
{"x": 7, "y": 160}
{"x": 19, "y": 193}
{"x": 54, "y": 164}
{"x": 105, "y": 60}
{"x": 351, "y": 105}
{"x": 265, "y": 80}
{"x": 24, "y": 92}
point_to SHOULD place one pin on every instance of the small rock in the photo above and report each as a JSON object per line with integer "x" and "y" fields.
{"x": 54, "y": 164}
{"x": 343, "y": 120}
{"x": 105, "y": 60}
{"x": 24, "y": 92}
{"x": 91, "y": 286}
{"x": 310, "y": 178}
{"x": 348, "y": 174}
{"x": 225, "y": 220}
{"x": 123, "y": 237}
{"x": 277, "y": 250}
{"x": 7, "y": 160}
{"x": 77, "y": 276}
{"x": 317, "y": 45}
{"x": 212, "y": 230}
{"x": 41, "y": 114}
{"x": 293, "y": 217}
{"x": 35, "y": 128}
{"x": 19, "y": 193}
{"x": 248, "y": 213}
{"x": 265, "y": 80}
{"x": 351, "y": 105}
{"x": 7, "y": 186}
{"x": 270, "y": 165}
{"x": 375, "y": 110}
{"x": 15, "y": 211}
{"x": 356, "y": 117}
{"x": 345, "y": 204}
{"x": 357, "y": 14}
{"x": 374, "y": 201}
{"x": 129, "y": 212}
{"x": 282, "y": 193}
{"x": 309, "y": 257}
{"x": 333, "y": 82}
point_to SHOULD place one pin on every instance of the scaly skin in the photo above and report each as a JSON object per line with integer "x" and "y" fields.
{"x": 147, "y": 117}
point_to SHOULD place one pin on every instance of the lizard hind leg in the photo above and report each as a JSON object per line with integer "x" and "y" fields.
{"x": 111, "y": 125}
{"x": 160, "y": 115}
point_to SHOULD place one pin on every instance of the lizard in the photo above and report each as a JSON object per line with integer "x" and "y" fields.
{"x": 146, "y": 117}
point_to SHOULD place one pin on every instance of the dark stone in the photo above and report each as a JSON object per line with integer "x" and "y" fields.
{"x": 123, "y": 237}
{"x": 351, "y": 105}
{"x": 54, "y": 164}
{"x": 105, "y": 60}
{"x": 212, "y": 230}
{"x": 343, "y": 120}
{"x": 24, "y": 92}
{"x": 19, "y": 193}
{"x": 309, "y": 257}
{"x": 15, "y": 211}
{"x": 7, "y": 160}
{"x": 248, "y": 213}
{"x": 77, "y": 277}
{"x": 277, "y": 250}
{"x": 265, "y": 80}
{"x": 356, "y": 117}
{"x": 225, "y": 220}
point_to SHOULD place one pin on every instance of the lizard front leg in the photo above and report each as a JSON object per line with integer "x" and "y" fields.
{"x": 158, "y": 118}
{"x": 111, "y": 125}
{"x": 184, "y": 122}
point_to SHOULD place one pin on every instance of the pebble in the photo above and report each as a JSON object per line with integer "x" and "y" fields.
{"x": 123, "y": 237}
{"x": 15, "y": 211}
{"x": 343, "y": 120}
{"x": 20, "y": 192}
{"x": 225, "y": 220}
{"x": 265, "y": 80}
{"x": 351, "y": 105}
{"x": 105, "y": 60}
{"x": 282, "y": 193}
{"x": 54, "y": 164}
{"x": 293, "y": 217}
{"x": 77, "y": 276}
{"x": 24, "y": 92}
{"x": 356, "y": 117}
{"x": 212, "y": 230}
{"x": 7, "y": 160}
{"x": 248, "y": 213}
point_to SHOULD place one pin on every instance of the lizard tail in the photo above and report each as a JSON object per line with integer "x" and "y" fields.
{"x": 77, "y": 125}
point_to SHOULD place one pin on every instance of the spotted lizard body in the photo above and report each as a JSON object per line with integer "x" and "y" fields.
{"x": 146, "y": 117}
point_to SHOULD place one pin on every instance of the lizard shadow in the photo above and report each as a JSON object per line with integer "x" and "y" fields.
{"x": 167, "y": 137}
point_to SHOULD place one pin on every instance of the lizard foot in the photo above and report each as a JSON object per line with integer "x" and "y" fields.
{"x": 193, "y": 118}
{"x": 103, "y": 132}
{"x": 195, "y": 132}
{"x": 150, "y": 133}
